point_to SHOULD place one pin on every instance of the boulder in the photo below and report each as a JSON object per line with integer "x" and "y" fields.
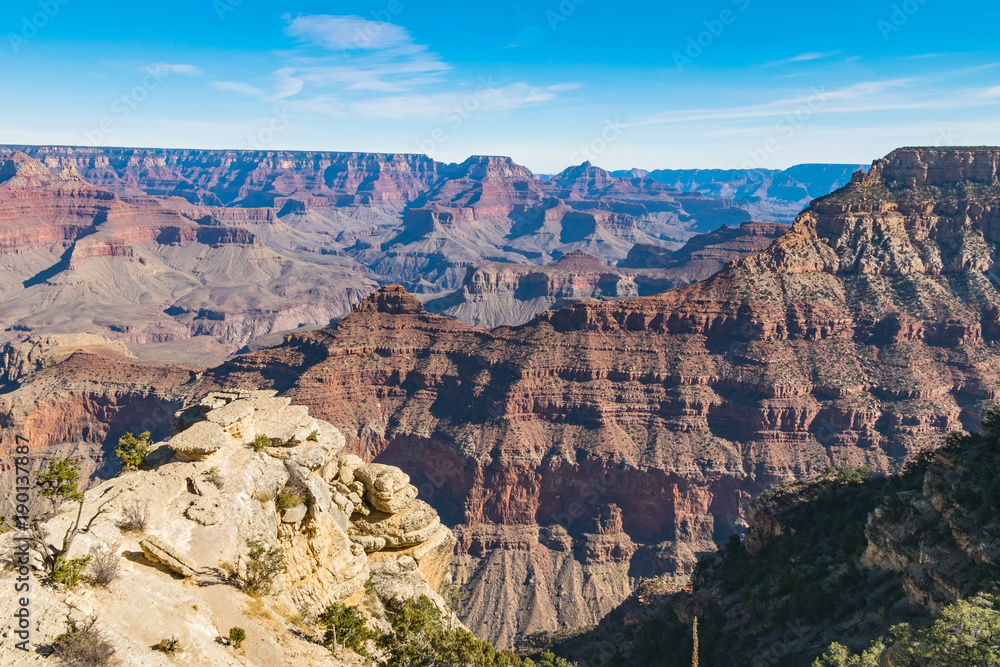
{"x": 387, "y": 489}
{"x": 415, "y": 524}
{"x": 231, "y": 413}
{"x": 199, "y": 441}
{"x": 160, "y": 551}
{"x": 294, "y": 514}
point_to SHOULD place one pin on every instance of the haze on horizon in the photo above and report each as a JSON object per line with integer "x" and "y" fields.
{"x": 726, "y": 84}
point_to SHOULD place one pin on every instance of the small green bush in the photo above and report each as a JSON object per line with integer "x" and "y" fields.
{"x": 68, "y": 571}
{"x": 237, "y": 636}
{"x": 131, "y": 451}
{"x": 345, "y": 626}
{"x": 286, "y": 500}
{"x": 260, "y": 443}
{"x": 260, "y": 568}
{"x": 314, "y": 436}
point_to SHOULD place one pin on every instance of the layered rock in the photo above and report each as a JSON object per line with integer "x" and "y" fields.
{"x": 495, "y": 294}
{"x": 768, "y": 194}
{"x": 859, "y": 337}
{"x": 75, "y": 258}
{"x": 206, "y": 492}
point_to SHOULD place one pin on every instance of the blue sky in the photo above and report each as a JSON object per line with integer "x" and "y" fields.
{"x": 723, "y": 83}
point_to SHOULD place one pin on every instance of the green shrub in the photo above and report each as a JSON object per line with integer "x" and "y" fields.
{"x": 255, "y": 574}
{"x": 67, "y": 571}
{"x": 260, "y": 443}
{"x": 286, "y": 500}
{"x": 345, "y": 626}
{"x": 237, "y": 636}
{"x": 314, "y": 436}
{"x": 966, "y": 633}
{"x": 131, "y": 451}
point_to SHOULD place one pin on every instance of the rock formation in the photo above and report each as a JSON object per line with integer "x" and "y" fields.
{"x": 859, "y": 337}
{"x": 342, "y": 525}
{"x": 191, "y": 255}
{"x": 495, "y": 293}
{"x": 767, "y": 194}
{"x": 77, "y": 259}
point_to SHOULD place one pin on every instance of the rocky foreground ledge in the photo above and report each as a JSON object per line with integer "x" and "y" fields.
{"x": 351, "y": 532}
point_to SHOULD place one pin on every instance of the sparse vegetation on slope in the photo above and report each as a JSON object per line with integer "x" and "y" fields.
{"x": 898, "y": 569}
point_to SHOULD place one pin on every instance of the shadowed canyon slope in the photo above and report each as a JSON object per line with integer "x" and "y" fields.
{"x": 495, "y": 294}
{"x": 611, "y": 440}
{"x": 767, "y": 194}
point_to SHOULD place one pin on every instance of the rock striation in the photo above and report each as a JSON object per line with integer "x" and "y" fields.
{"x": 77, "y": 258}
{"x": 857, "y": 338}
{"x": 495, "y": 294}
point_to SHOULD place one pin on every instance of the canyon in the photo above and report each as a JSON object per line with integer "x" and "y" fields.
{"x": 495, "y": 293}
{"x": 605, "y": 442}
{"x": 194, "y": 255}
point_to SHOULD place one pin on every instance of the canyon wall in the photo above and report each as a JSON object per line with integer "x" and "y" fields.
{"x": 610, "y": 440}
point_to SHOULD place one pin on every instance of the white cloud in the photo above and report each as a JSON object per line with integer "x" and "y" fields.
{"x": 486, "y": 98}
{"x": 238, "y": 87}
{"x": 806, "y": 57}
{"x": 349, "y": 33}
{"x": 992, "y": 92}
{"x": 370, "y": 55}
{"x": 286, "y": 84}
{"x": 172, "y": 68}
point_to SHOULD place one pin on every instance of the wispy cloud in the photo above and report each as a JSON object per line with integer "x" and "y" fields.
{"x": 370, "y": 55}
{"x": 238, "y": 87}
{"x": 867, "y": 96}
{"x": 806, "y": 57}
{"x": 177, "y": 68}
{"x": 499, "y": 99}
{"x": 376, "y": 69}
{"x": 992, "y": 92}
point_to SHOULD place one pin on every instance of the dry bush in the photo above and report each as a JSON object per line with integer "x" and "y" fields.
{"x": 82, "y": 645}
{"x": 105, "y": 565}
{"x": 168, "y": 645}
{"x": 135, "y": 517}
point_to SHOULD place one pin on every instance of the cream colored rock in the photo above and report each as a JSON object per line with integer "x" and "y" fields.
{"x": 231, "y": 413}
{"x": 415, "y": 524}
{"x": 160, "y": 551}
{"x": 201, "y": 514}
{"x": 199, "y": 441}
